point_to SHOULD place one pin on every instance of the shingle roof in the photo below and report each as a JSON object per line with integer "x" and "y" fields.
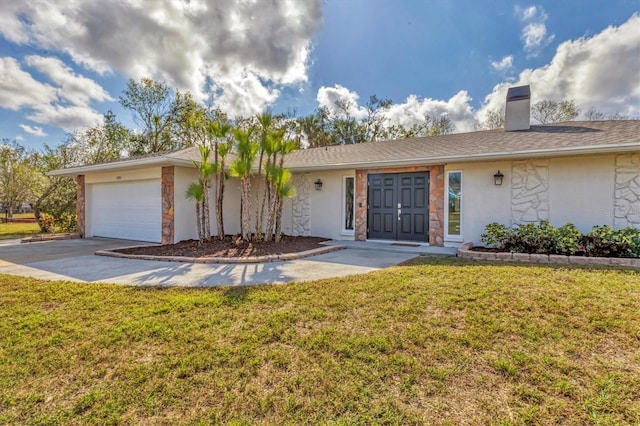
{"x": 569, "y": 138}
{"x": 542, "y": 140}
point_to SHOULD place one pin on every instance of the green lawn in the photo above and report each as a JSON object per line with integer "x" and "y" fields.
{"x": 435, "y": 341}
{"x": 18, "y": 230}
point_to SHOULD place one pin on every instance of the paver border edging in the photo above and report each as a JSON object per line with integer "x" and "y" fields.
{"x": 464, "y": 252}
{"x": 52, "y": 237}
{"x": 225, "y": 260}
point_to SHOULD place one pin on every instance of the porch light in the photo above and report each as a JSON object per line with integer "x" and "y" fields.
{"x": 497, "y": 178}
{"x": 318, "y": 185}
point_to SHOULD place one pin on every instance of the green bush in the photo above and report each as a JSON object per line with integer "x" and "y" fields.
{"x": 496, "y": 234}
{"x": 544, "y": 238}
{"x": 603, "y": 241}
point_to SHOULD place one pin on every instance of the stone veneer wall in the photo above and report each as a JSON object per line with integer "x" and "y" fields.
{"x": 529, "y": 191}
{"x": 626, "y": 209}
{"x": 301, "y": 205}
{"x": 436, "y": 200}
{"x": 80, "y": 204}
{"x": 168, "y": 198}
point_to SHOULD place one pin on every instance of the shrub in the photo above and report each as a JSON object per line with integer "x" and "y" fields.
{"x": 544, "y": 238}
{"x": 603, "y": 241}
{"x": 567, "y": 239}
{"x": 496, "y": 235}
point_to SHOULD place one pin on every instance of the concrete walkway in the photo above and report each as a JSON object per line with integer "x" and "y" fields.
{"x": 74, "y": 260}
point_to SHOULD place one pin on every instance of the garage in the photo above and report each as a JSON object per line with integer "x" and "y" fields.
{"x": 128, "y": 210}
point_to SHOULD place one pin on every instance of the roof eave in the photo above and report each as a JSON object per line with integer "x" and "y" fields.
{"x": 467, "y": 158}
{"x": 122, "y": 165}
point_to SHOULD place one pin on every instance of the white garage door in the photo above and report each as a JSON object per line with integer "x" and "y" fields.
{"x": 127, "y": 210}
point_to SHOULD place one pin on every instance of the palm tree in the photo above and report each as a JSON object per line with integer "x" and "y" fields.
{"x": 218, "y": 131}
{"x": 246, "y": 151}
{"x": 205, "y": 169}
{"x": 195, "y": 192}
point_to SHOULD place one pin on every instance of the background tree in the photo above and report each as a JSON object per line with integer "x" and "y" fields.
{"x": 16, "y": 176}
{"x": 548, "y": 111}
{"x": 155, "y": 109}
{"x": 105, "y": 142}
{"x": 55, "y": 195}
{"x": 493, "y": 119}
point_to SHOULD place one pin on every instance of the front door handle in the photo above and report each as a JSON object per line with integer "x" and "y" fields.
{"x": 399, "y": 213}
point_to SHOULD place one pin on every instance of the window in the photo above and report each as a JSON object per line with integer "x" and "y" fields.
{"x": 348, "y": 189}
{"x": 454, "y": 204}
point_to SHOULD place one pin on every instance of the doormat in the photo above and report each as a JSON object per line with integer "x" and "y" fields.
{"x": 405, "y": 245}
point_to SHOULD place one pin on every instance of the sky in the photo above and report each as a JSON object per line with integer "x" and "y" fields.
{"x": 63, "y": 63}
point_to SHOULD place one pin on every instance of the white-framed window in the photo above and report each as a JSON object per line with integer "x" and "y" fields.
{"x": 348, "y": 204}
{"x": 453, "y": 206}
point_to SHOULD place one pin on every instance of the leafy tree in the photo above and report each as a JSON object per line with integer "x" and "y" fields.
{"x": 205, "y": 171}
{"x": 156, "y": 110}
{"x": 16, "y": 176}
{"x": 430, "y": 126}
{"x": 548, "y": 111}
{"x": 105, "y": 142}
{"x": 594, "y": 115}
{"x": 492, "y": 120}
{"x": 55, "y": 195}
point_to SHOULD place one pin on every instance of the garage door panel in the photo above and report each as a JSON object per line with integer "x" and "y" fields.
{"x": 127, "y": 210}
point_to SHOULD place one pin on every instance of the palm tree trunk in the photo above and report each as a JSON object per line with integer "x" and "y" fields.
{"x": 278, "y": 230}
{"x": 245, "y": 185}
{"x": 199, "y": 221}
{"x": 219, "y": 199}
{"x": 206, "y": 223}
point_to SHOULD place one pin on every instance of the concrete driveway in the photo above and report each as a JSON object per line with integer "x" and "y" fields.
{"x": 74, "y": 260}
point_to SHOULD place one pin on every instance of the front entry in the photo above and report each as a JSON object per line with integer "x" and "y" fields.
{"x": 398, "y": 206}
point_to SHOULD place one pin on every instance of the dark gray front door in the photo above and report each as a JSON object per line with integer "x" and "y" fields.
{"x": 398, "y": 206}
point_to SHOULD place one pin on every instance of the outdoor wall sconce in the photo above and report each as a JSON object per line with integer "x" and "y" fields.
{"x": 497, "y": 178}
{"x": 318, "y": 184}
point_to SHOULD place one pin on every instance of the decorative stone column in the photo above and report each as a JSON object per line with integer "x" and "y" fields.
{"x": 360, "y": 226}
{"x": 301, "y": 205}
{"x": 80, "y": 204}
{"x": 168, "y": 199}
{"x": 436, "y": 206}
{"x": 626, "y": 208}
{"x": 529, "y": 191}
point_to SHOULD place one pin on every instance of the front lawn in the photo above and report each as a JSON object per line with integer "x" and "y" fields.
{"x": 435, "y": 341}
{"x": 18, "y": 230}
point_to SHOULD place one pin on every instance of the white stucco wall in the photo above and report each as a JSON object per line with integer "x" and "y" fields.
{"x": 184, "y": 210}
{"x": 325, "y": 206}
{"x": 577, "y": 189}
{"x": 482, "y": 201}
{"x": 581, "y": 191}
{"x": 149, "y": 173}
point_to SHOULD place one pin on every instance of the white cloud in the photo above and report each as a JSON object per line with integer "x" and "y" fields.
{"x": 601, "y": 72}
{"x": 65, "y": 104}
{"x": 68, "y": 118}
{"x": 77, "y": 89}
{"x": 243, "y": 95}
{"x": 338, "y": 97}
{"x": 187, "y": 44}
{"x": 504, "y": 64}
{"x": 19, "y": 138}
{"x": 413, "y": 111}
{"x": 534, "y": 33}
{"x": 19, "y": 89}
{"x": 35, "y": 130}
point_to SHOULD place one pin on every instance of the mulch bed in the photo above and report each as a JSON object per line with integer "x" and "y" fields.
{"x": 229, "y": 247}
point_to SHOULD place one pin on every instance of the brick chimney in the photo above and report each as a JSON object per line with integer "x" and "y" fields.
{"x": 518, "y": 109}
